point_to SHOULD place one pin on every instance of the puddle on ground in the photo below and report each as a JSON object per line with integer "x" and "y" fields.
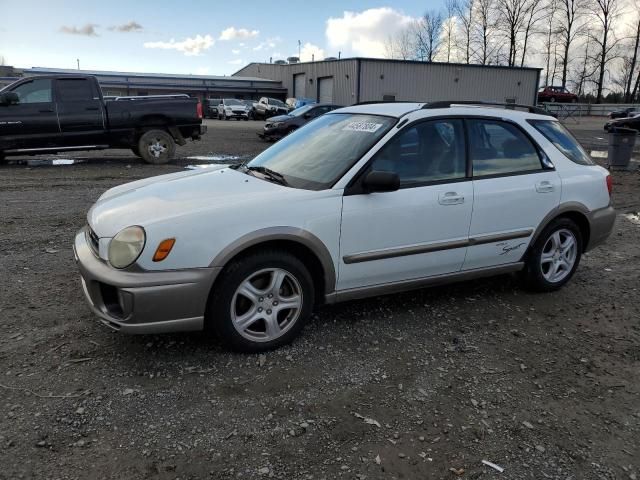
{"x": 599, "y": 154}
{"x": 632, "y": 217}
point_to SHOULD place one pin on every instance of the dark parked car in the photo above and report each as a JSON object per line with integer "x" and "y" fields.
{"x": 67, "y": 112}
{"x": 556, "y": 94}
{"x": 628, "y": 122}
{"x": 251, "y": 108}
{"x": 277, "y": 127}
{"x": 270, "y": 107}
{"x": 624, "y": 113}
{"x": 210, "y": 107}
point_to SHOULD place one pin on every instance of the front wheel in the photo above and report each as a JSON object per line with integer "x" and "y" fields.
{"x": 554, "y": 257}
{"x": 261, "y": 301}
{"x": 156, "y": 147}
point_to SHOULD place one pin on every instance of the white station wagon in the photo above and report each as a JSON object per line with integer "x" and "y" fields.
{"x": 366, "y": 200}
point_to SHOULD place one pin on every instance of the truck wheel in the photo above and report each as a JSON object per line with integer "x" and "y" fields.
{"x": 261, "y": 302}
{"x": 156, "y": 147}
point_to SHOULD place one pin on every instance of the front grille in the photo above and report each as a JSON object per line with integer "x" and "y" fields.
{"x": 94, "y": 241}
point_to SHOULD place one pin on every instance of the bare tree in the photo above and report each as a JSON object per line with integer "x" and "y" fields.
{"x": 510, "y": 22}
{"x": 428, "y": 35}
{"x": 571, "y": 13}
{"x": 449, "y": 27}
{"x": 399, "y": 46}
{"x": 485, "y": 26}
{"x": 633, "y": 62}
{"x": 606, "y": 12}
{"x": 465, "y": 12}
{"x": 535, "y": 13}
{"x": 550, "y": 38}
{"x": 584, "y": 72}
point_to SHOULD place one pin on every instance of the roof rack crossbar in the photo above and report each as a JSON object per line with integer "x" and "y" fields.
{"x": 449, "y": 103}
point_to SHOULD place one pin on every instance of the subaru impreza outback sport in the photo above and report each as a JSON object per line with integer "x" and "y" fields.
{"x": 366, "y": 200}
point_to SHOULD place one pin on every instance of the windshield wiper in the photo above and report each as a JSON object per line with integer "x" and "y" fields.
{"x": 271, "y": 174}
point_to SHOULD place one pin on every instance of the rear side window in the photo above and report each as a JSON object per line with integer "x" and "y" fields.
{"x": 563, "y": 140}
{"x": 499, "y": 148}
{"x": 74, "y": 90}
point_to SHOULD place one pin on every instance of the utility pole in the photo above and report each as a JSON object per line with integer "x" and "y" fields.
{"x": 78, "y": 62}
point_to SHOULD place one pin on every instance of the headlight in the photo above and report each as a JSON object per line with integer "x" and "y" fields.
{"x": 126, "y": 246}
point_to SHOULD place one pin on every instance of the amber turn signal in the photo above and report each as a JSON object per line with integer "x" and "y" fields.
{"x": 164, "y": 249}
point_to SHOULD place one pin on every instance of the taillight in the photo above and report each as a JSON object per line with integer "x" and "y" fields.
{"x": 199, "y": 110}
{"x": 609, "y": 184}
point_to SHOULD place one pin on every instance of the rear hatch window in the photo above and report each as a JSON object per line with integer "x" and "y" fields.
{"x": 555, "y": 132}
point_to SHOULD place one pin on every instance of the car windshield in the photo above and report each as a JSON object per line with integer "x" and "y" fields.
{"x": 315, "y": 156}
{"x": 301, "y": 111}
{"x": 277, "y": 103}
{"x": 232, "y": 101}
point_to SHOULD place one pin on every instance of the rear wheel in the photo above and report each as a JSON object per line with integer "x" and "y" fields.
{"x": 156, "y": 147}
{"x": 261, "y": 301}
{"x": 552, "y": 99}
{"x": 554, "y": 257}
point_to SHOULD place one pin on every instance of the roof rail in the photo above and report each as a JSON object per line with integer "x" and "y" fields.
{"x": 449, "y": 103}
{"x": 374, "y": 102}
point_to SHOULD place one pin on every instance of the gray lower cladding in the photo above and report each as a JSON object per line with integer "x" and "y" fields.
{"x": 143, "y": 302}
{"x": 406, "y": 285}
{"x": 434, "y": 247}
{"x": 601, "y": 224}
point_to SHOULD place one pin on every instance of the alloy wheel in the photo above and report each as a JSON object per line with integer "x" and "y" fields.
{"x": 559, "y": 255}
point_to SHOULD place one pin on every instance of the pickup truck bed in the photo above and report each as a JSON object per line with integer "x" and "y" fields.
{"x": 67, "y": 112}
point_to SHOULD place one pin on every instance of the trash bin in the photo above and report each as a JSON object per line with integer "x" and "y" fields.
{"x": 621, "y": 142}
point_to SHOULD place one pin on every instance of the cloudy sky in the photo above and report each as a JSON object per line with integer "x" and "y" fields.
{"x": 212, "y": 37}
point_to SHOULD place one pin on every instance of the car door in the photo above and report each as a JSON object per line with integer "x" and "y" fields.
{"x": 81, "y": 112}
{"x": 31, "y": 123}
{"x": 514, "y": 188}
{"x": 419, "y": 230}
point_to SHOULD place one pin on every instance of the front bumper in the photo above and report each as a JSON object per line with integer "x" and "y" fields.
{"x": 143, "y": 301}
{"x": 601, "y": 223}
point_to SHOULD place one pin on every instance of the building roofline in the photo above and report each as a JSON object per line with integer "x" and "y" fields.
{"x": 389, "y": 60}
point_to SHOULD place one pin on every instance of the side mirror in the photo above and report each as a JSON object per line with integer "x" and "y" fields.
{"x": 9, "y": 98}
{"x": 378, "y": 181}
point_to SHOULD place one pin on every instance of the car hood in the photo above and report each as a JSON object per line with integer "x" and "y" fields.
{"x": 280, "y": 118}
{"x": 159, "y": 199}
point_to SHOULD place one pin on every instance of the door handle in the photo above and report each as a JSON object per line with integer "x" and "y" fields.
{"x": 544, "y": 187}
{"x": 450, "y": 198}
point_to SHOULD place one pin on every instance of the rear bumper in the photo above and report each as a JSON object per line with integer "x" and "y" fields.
{"x": 143, "y": 302}
{"x": 601, "y": 224}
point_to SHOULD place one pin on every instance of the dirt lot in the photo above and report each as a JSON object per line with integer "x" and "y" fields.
{"x": 420, "y": 385}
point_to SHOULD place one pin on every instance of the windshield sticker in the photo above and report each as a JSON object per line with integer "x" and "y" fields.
{"x": 368, "y": 127}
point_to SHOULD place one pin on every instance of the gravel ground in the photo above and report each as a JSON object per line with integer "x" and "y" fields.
{"x": 425, "y": 384}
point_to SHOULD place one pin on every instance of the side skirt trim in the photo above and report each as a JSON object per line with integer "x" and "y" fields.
{"x": 434, "y": 247}
{"x": 405, "y": 285}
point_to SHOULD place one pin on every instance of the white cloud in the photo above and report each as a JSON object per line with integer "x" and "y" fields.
{"x": 235, "y": 51}
{"x": 233, "y": 33}
{"x": 268, "y": 43}
{"x": 188, "y": 46}
{"x": 364, "y": 33}
{"x": 203, "y": 71}
{"x": 237, "y": 61}
{"x": 88, "y": 30}
{"x": 310, "y": 51}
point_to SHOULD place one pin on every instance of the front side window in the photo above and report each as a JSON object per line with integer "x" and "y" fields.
{"x": 315, "y": 156}
{"x": 500, "y": 148}
{"x": 75, "y": 90}
{"x": 35, "y": 91}
{"x": 430, "y": 151}
{"x": 555, "y": 132}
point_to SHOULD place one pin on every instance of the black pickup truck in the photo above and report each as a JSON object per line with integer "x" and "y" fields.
{"x": 47, "y": 114}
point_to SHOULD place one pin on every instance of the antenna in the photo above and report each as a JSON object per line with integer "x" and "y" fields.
{"x": 299, "y": 45}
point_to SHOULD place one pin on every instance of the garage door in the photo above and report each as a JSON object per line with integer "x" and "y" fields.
{"x": 325, "y": 90}
{"x": 299, "y": 84}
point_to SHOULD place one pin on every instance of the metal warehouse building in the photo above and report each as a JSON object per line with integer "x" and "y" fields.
{"x": 201, "y": 86}
{"x": 354, "y": 80}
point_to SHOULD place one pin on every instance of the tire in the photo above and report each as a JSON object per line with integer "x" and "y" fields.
{"x": 262, "y": 330}
{"x": 156, "y": 147}
{"x": 135, "y": 151}
{"x": 552, "y": 99}
{"x": 543, "y": 259}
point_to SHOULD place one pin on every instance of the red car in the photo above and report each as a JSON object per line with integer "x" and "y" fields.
{"x": 556, "y": 94}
